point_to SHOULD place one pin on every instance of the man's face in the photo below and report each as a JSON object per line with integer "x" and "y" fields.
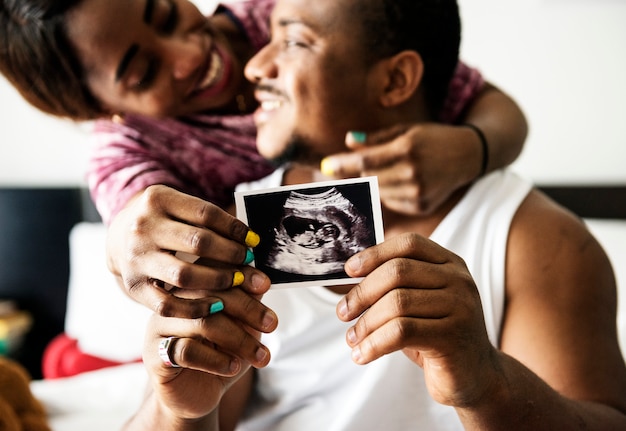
{"x": 313, "y": 86}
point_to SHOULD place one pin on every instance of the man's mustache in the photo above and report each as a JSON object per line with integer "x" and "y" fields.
{"x": 267, "y": 88}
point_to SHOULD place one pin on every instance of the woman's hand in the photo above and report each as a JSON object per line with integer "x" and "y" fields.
{"x": 418, "y": 165}
{"x": 203, "y": 359}
{"x": 149, "y": 243}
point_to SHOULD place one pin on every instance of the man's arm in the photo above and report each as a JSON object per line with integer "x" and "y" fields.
{"x": 559, "y": 367}
{"x": 561, "y": 363}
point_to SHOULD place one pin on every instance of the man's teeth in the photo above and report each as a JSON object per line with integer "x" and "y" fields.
{"x": 270, "y": 105}
{"x": 214, "y": 71}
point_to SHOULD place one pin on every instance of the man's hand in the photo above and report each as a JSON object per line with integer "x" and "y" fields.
{"x": 420, "y": 298}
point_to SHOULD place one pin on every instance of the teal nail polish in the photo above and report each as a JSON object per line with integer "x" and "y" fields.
{"x": 359, "y": 137}
{"x": 216, "y": 307}
{"x": 249, "y": 257}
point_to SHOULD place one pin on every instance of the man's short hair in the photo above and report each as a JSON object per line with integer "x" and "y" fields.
{"x": 430, "y": 27}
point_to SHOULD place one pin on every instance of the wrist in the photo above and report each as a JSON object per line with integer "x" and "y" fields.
{"x": 484, "y": 149}
{"x": 154, "y": 414}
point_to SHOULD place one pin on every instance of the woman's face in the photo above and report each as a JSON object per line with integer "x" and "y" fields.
{"x": 153, "y": 57}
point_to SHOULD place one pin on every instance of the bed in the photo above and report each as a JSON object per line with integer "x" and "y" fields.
{"x": 104, "y": 399}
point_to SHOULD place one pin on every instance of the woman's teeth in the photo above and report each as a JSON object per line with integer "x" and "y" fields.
{"x": 214, "y": 72}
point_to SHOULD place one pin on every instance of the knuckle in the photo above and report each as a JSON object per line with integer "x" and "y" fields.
{"x": 181, "y": 351}
{"x": 198, "y": 241}
{"x": 152, "y": 195}
{"x": 402, "y": 302}
{"x": 401, "y": 331}
{"x": 205, "y": 212}
{"x": 163, "y": 307}
{"x": 238, "y": 230}
{"x": 180, "y": 275}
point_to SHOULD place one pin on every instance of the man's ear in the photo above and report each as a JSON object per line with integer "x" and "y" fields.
{"x": 403, "y": 75}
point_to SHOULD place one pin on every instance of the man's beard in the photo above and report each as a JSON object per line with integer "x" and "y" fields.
{"x": 297, "y": 150}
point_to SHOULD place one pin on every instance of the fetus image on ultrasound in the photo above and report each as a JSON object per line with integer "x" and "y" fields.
{"x": 317, "y": 233}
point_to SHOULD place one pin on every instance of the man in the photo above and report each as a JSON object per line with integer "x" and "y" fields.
{"x": 520, "y": 335}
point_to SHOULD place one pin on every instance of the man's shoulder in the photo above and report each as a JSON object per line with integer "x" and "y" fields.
{"x": 552, "y": 246}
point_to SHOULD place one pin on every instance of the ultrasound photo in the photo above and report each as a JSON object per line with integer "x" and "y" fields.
{"x": 309, "y": 231}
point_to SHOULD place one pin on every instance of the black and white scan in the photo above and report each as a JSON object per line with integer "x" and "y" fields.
{"x": 317, "y": 233}
{"x": 309, "y": 231}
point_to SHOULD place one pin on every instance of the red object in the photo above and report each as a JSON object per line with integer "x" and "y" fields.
{"x": 63, "y": 358}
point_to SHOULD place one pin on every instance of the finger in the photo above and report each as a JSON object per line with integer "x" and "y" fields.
{"x": 198, "y": 212}
{"x": 396, "y": 335}
{"x": 198, "y": 241}
{"x": 409, "y": 245}
{"x": 394, "y": 281}
{"x": 222, "y": 340}
{"x": 358, "y": 163}
{"x": 174, "y": 271}
{"x": 165, "y": 304}
{"x": 248, "y": 310}
{"x": 400, "y": 303}
{"x": 201, "y": 356}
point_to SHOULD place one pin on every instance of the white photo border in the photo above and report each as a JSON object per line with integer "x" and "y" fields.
{"x": 272, "y": 198}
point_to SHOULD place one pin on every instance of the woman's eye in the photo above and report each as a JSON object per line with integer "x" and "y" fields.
{"x": 148, "y": 77}
{"x": 166, "y": 17}
{"x": 172, "y": 19}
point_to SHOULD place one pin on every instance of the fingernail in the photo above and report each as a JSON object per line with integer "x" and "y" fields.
{"x": 216, "y": 307}
{"x": 354, "y": 263}
{"x": 342, "y": 309}
{"x": 249, "y": 257}
{"x": 238, "y": 278}
{"x": 258, "y": 281}
{"x": 269, "y": 320}
{"x": 252, "y": 239}
{"x": 234, "y": 367}
{"x": 261, "y": 354}
{"x": 356, "y": 355}
{"x": 328, "y": 167}
{"x": 351, "y": 335}
{"x": 357, "y": 137}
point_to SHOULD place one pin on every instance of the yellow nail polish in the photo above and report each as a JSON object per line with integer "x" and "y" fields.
{"x": 327, "y": 167}
{"x": 252, "y": 239}
{"x": 238, "y": 278}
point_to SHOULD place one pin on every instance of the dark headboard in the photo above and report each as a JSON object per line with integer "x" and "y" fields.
{"x": 591, "y": 201}
{"x": 34, "y": 258}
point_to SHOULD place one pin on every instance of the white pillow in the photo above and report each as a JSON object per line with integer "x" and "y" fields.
{"x": 104, "y": 320}
{"x": 612, "y": 236}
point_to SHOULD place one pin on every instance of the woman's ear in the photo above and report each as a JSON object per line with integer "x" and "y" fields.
{"x": 404, "y": 72}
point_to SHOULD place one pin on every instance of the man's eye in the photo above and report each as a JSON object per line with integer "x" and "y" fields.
{"x": 292, "y": 43}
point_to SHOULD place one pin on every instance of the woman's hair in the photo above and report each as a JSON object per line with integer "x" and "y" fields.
{"x": 37, "y": 58}
{"x": 430, "y": 27}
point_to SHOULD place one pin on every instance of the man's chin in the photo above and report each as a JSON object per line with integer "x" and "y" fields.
{"x": 294, "y": 151}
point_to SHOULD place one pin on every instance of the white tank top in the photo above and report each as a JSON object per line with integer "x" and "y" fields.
{"x": 312, "y": 384}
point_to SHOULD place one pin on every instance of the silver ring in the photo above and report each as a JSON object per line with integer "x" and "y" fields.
{"x": 164, "y": 351}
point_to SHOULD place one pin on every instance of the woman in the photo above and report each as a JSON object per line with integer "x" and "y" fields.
{"x": 176, "y": 135}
